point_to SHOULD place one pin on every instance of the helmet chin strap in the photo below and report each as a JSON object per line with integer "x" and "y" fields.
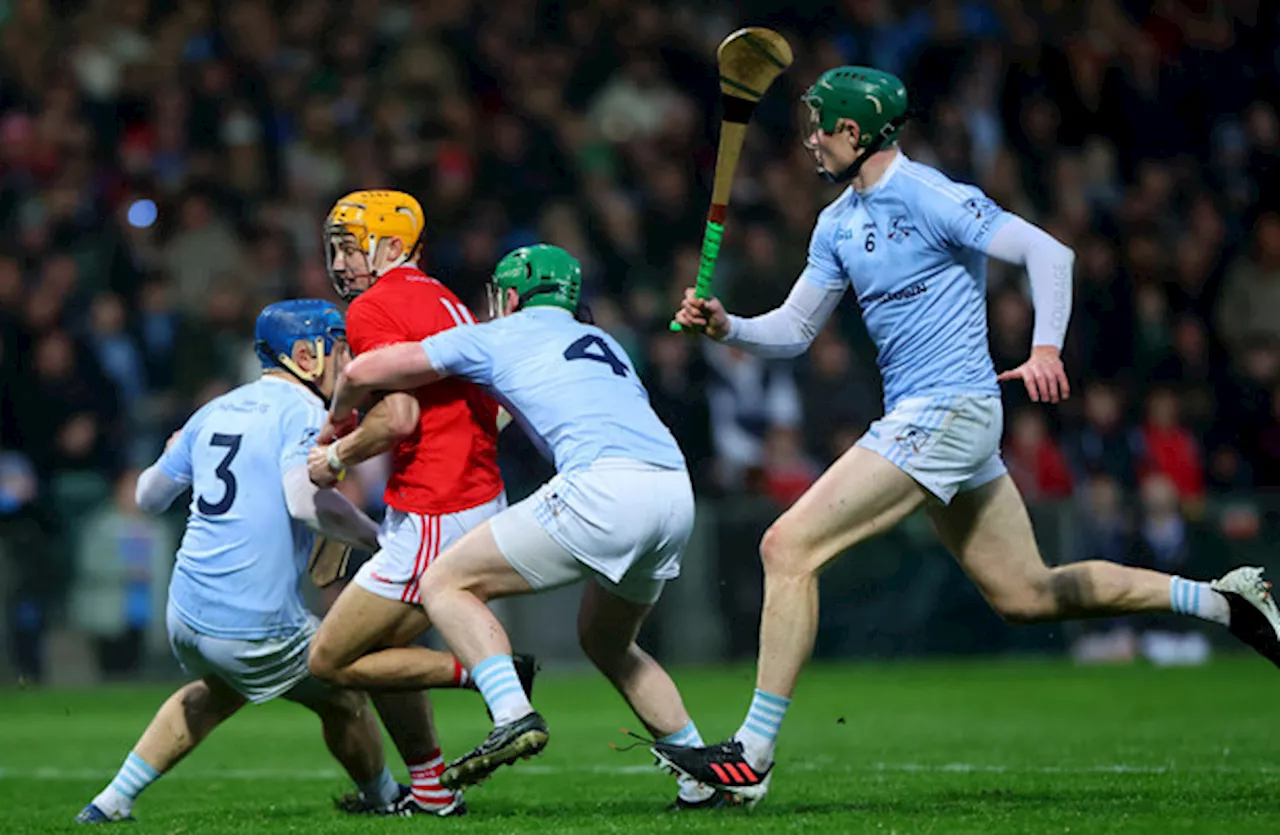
{"x": 876, "y": 144}
{"x": 309, "y": 380}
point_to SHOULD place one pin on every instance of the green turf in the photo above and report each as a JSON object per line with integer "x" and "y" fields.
{"x": 982, "y": 747}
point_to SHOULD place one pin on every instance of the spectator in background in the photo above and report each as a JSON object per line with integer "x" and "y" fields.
{"x": 1250, "y": 304}
{"x": 1168, "y": 449}
{"x": 1037, "y": 465}
{"x": 747, "y": 396}
{"x": 677, "y": 382}
{"x": 68, "y": 417}
{"x": 836, "y": 390}
{"x": 26, "y": 537}
{"x": 787, "y": 469}
{"x": 1104, "y": 444}
{"x": 1266, "y": 447}
{"x": 1189, "y": 371}
{"x": 201, "y": 253}
{"x": 122, "y": 560}
{"x": 1163, "y": 544}
{"x": 1105, "y": 533}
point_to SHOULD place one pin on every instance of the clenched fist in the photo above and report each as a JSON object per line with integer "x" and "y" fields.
{"x": 706, "y": 315}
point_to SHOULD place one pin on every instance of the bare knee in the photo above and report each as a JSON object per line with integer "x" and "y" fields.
{"x": 1030, "y": 601}
{"x": 325, "y": 663}
{"x": 783, "y": 554}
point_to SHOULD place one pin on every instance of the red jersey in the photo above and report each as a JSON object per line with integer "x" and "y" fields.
{"x": 451, "y": 462}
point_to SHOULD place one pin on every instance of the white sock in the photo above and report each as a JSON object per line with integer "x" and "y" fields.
{"x": 496, "y": 678}
{"x": 1188, "y": 597}
{"x": 116, "y": 800}
{"x": 382, "y": 789}
{"x": 690, "y": 789}
{"x": 759, "y": 730}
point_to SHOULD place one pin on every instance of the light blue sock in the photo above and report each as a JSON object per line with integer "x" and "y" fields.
{"x": 382, "y": 789}
{"x": 759, "y": 730}
{"x": 497, "y": 681}
{"x": 1188, "y": 597}
{"x": 688, "y": 737}
{"x": 116, "y": 800}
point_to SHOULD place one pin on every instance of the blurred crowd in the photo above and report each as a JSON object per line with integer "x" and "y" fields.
{"x": 165, "y": 166}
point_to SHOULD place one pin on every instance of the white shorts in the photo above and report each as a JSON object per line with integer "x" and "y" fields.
{"x": 949, "y": 443}
{"x": 623, "y": 522}
{"x": 258, "y": 670}
{"x": 409, "y": 542}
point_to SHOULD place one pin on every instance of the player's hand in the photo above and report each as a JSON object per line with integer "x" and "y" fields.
{"x": 1043, "y": 374}
{"x": 706, "y": 315}
{"x": 318, "y": 469}
{"x": 334, "y": 428}
{"x": 172, "y": 438}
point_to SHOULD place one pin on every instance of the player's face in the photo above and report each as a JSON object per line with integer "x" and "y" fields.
{"x": 834, "y": 151}
{"x": 349, "y": 265}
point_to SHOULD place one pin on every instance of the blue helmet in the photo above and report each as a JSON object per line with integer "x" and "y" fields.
{"x": 283, "y": 324}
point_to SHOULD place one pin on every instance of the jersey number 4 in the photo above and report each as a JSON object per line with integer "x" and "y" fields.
{"x": 582, "y": 350}
{"x": 224, "y": 474}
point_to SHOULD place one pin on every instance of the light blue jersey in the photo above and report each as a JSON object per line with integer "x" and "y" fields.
{"x": 242, "y": 556}
{"x": 913, "y": 247}
{"x": 570, "y": 386}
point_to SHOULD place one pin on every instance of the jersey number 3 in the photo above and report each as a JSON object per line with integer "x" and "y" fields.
{"x": 224, "y": 474}
{"x": 582, "y": 350}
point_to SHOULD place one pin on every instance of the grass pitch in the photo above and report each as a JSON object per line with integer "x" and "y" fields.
{"x": 981, "y": 747}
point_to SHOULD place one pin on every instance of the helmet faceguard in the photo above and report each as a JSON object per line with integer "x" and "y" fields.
{"x": 364, "y": 218}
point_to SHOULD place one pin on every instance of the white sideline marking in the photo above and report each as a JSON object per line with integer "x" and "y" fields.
{"x": 54, "y": 773}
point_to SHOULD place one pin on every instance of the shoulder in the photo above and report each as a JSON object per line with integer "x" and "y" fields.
{"x": 927, "y": 185}
{"x": 836, "y": 210}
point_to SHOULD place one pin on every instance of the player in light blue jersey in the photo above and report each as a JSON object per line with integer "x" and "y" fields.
{"x": 913, "y": 245}
{"x": 236, "y": 617}
{"x": 619, "y": 510}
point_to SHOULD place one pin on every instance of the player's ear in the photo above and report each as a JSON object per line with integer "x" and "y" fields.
{"x": 304, "y": 355}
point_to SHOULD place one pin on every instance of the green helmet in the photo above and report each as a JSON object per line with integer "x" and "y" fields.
{"x": 875, "y": 99}
{"x": 541, "y": 274}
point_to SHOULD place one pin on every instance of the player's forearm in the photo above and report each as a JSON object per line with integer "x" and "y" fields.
{"x": 1049, "y": 267}
{"x": 156, "y": 490}
{"x": 328, "y": 512}
{"x": 400, "y": 367}
{"x": 393, "y": 418}
{"x": 789, "y": 330}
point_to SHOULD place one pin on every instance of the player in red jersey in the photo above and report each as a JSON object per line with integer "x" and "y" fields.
{"x": 445, "y": 477}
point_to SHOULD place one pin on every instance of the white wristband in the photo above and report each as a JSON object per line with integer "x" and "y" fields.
{"x": 331, "y": 455}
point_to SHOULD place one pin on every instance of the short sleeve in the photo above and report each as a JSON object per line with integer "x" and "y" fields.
{"x": 464, "y": 352}
{"x": 369, "y": 327}
{"x": 967, "y": 218}
{"x": 299, "y": 426}
{"x": 175, "y": 462}
{"x": 823, "y": 267}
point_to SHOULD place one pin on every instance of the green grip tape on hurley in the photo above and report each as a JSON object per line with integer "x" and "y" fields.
{"x": 707, "y": 263}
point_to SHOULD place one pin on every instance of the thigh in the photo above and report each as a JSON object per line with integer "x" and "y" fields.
{"x": 476, "y": 564}
{"x": 860, "y": 496}
{"x": 606, "y": 618}
{"x": 530, "y": 550}
{"x": 990, "y": 534}
{"x": 361, "y": 621}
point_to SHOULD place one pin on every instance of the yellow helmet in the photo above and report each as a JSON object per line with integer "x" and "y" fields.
{"x": 370, "y": 216}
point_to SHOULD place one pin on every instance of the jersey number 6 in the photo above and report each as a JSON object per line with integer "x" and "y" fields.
{"x": 224, "y": 474}
{"x": 580, "y": 350}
